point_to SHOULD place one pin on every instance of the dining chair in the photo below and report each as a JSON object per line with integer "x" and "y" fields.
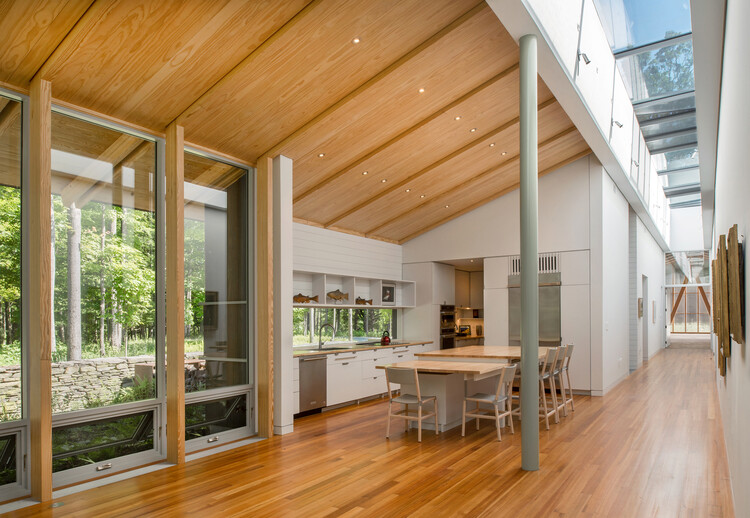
{"x": 501, "y": 398}
{"x": 568, "y": 397}
{"x": 545, "y": 374}
{"x": 408, "y": 377}
{"x": 557, "y": 378}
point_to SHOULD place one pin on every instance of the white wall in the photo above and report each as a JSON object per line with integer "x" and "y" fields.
{"x": 651, "y": 264}
{"x": 686, "y": 229}
{"x": 615, "y": 337}
{"x": 731, "y": 207}
{"x": 326, "y": 251}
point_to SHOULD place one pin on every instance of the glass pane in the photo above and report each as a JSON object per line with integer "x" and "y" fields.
{"x": 661, "y": 128}
{"x": 665, "y": 106}
{"x": 662, "y": 143}
{"x": 687, "y": 177}
{"x": 8, "y": 460}
{"x": 104, "y": 260}
{"x": 691, "y": 325}
{"x": 654, "y": 73}
{"x": 370, "y": 324}
{"x": 679, "y": 323}
{"x": 676, "y": 159}
{"x": 691, "y": 297}
{"x": 685, "y": 198}
{"x": 216, "y": 251}
{"x": 212, "y": 417}
{"x": 97, "y": 441}
{"x": 10, "y": 261}
{"x": 632, "y": 23}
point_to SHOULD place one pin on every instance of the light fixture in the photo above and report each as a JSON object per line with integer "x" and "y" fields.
{"x": 457, "y": 117}
{"x": 504, "y": 153}
{"x": 447, "y": 206}
{"x": 472, "y": 130}
{"x": 422, "y": 195}
{"x": 383, "y": 180}
{"x": 321, "y": 155}
{"x": 584, "y": 57}
{"x": 408, "y": 190}
{"x": 421, "y": 90}
{"x": 617, "y": 123}
{"x": 364, "y": 172}
{"x": 355, "y": 40}
{"x": 492, "y": 145}
{"x": 471, "y": 260}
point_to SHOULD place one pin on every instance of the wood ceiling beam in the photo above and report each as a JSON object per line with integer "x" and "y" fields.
{"x": 470, "y": 181}
{"x": 406, "y": 133}
{"x": 454, "y": 154}
{"x": 9, "y": 115}
{"x": 204, "y": 102}
{"x": 494, "y": 196}
{"x": 279, "y": 147}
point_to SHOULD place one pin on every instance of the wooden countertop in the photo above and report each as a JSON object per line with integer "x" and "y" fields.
{"x": 446, "y": 367}
{"x": 315, "y": 352}
{"x": 495, "y": 352}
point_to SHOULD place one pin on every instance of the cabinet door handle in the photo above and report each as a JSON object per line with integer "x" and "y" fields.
{"x": 345, "y": 363}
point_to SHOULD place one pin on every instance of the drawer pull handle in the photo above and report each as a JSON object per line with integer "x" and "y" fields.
{"x": 213, "y": 439}
{"x": 108, "y": 465}
{"x": 345, "y": 363}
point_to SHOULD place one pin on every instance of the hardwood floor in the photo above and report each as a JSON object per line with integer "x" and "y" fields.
{"x": 652, "y": 447}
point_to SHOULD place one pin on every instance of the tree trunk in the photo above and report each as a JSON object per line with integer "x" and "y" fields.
{"x": 52, "y": 269}
{"x": 102, "y": 290}
{"x": 4, "y": 326}
{"x": 189, "y": 311}
{"x": 116, "y": 327}
{"x": 74, "y": 283}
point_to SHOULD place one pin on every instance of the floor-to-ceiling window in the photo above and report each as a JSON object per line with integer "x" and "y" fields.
{"x": 12, "y": 412}
{"x": 316, "y": 325}
{"x": 105, "y": 392}
{"x": 688, "y": 292}
{"x": 218, "y": 374}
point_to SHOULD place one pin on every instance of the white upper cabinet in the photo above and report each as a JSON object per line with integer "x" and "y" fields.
{"x": 463, "y": 289}
{"x": 444, "y": 283}
{"x": 477, "y": 290}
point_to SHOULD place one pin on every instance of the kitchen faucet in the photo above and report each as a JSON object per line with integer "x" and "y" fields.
{"x": 320, "y": 334}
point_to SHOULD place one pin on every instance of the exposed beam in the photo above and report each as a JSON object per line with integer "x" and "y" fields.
{"x": 662, "y": 98}
{"x": 676, "y": 303}
{"x": 663, "y": 172}
{"x": 672, "y": 134}
{"x": 677, "y": 117}
{"x": 40, "y": 285}
{"x": 175, "y": 311}
{"x": 654, "y": 46}
{"x": 679, "y": 147}
{"x": 681, "y": 190}
{"x": 322, "y": 183}
{"x": 204, "y": 101}
{"x": 264, "y": 276}
{"x": 685, "y": 204}
{"x": 446, "y": 158}
{"x": 493, "y": 196}
{"x": 400, "y": 62}
{"x": 10, "y": 113}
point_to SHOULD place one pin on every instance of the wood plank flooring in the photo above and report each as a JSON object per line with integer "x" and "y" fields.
{"x": 653, "y": 446}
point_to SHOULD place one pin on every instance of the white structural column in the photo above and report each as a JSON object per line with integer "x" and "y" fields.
{"x": 283, "y": 365}
{"x": 529, "y": 258}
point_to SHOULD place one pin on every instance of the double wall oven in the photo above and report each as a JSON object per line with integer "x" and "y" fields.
{"x": 447, "y": 327}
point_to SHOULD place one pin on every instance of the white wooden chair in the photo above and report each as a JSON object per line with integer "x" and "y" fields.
{"x": 565, "y": 374}
{"x": 407, "y": 376}
{"x": 545, "y": 374}
{"x": 501, "y": 398}
{"x": 557, "y": 378}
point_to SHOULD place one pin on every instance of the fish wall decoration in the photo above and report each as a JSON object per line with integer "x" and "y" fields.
{"x": 338, "y": 295}
{"x": 361, "y": 301}
{"x": 301, "y": 299}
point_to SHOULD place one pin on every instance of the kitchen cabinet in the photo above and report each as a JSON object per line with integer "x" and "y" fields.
{"x": 344, "y": 378}
{"x": 477, "y": 290}
{"x": 443, "y": 284}
{"x": 463, "y": 289}
{"x": 295, "y": 382}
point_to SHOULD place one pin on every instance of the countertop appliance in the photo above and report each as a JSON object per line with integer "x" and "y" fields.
{"x": 447, "y": 327}
{"x": 312, "y": 383}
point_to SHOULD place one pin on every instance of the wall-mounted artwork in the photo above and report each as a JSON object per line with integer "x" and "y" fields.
{"x": 388, "y": 294}
{"x": 736, "y": 286}
{"x": 640, "y": 307}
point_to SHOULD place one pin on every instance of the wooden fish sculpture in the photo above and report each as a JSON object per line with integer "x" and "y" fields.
{"x": 301, "y": 299}
{"x": 362, "y": 301}
{"x": 338, "y": 295}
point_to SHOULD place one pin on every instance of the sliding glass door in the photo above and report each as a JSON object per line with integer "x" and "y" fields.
{"x": 106, "y": 399}
{"x": 218, "y": 380}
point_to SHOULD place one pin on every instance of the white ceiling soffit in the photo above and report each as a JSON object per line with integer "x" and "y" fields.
{"x": 708, "y": 48}
{"x": 518, "y": 20}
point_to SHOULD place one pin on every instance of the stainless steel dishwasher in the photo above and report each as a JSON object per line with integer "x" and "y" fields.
{"x": 312, "y": 383}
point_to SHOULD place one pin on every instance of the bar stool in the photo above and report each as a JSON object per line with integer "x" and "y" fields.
{"x": 501, "y": 397}
{"x": 545, "y": 374}
{"x": 557, "y": 378}
{"x": 566, "y": 364}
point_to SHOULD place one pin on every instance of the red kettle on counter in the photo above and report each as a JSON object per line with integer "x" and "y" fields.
{"x": 386, "y": 339}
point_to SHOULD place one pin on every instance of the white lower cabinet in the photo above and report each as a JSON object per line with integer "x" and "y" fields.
{"x": 296, "y": 386}
{"x": 344, "y": 378}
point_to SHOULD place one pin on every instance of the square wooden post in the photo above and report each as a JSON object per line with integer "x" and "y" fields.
{"x": 39, "y": 339}
{"x": 264, "y": 254}
{"x": 175, "y": 302}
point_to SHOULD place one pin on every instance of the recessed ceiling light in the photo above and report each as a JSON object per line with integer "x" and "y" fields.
{"x": 421, "y": 90}
{"x": 408, "y": 190}
{"x": 457, "y": 117}
{"x": 422, "y": 195}
{"x": 355, "y": 40}
{"x": 383, "y": 180}
{"x": 471, "y": 260}
{"x": 447, "y": 206}
{"x": 492, "y": 145}
{"x": 321, "y": 155}
{"x": 364, "y": 172}
{"x": 504, "y": 153}
{"x": 472, "y": 130}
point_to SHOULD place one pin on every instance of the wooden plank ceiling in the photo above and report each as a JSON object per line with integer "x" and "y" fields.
{"x": 399, "y": 114}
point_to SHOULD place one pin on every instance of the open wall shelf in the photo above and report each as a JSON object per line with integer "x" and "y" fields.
{"x": 320, "y": 284}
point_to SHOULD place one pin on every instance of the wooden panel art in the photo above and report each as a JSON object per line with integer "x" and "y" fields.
{"x": 735, "y": 283}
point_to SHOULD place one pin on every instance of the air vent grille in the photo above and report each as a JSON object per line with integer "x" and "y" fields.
{"x": 548, "y": 263}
